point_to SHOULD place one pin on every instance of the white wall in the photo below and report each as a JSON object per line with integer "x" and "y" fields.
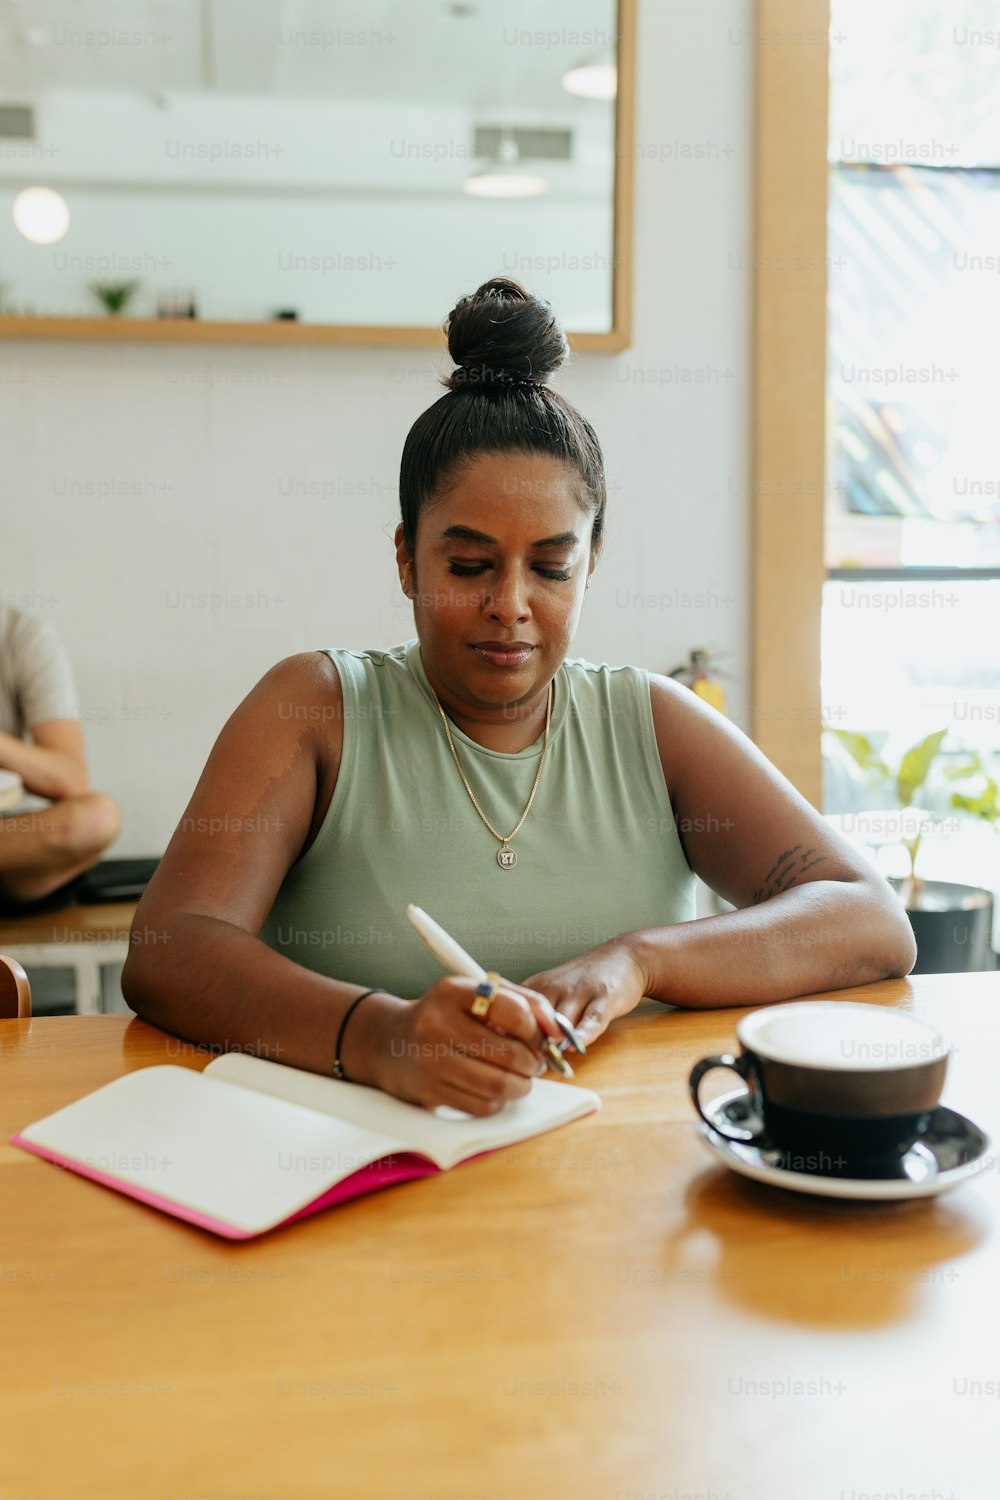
{"x": 137, "y": 478}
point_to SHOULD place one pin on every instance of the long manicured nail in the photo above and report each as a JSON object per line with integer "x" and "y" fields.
{"x": 558, "y": 1061}
{"x": 570, "y": 1032}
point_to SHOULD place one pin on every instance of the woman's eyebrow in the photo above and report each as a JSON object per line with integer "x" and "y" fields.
{"x": 467, "y": 534}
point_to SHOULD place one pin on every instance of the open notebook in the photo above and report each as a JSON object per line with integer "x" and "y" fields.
{"x": 247, "y": 1145}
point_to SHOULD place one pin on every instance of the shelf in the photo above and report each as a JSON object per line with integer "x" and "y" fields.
{"x": 198, "y": 331}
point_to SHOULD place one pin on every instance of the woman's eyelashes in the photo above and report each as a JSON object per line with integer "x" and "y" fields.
{"x": 471, "y": 570}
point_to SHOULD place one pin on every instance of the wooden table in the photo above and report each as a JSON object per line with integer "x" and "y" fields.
{"x": 603, "y": 1312}
{"x": 81, "y": 938}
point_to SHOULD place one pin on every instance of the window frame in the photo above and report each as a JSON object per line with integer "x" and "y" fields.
{"x": 789, "y": 385}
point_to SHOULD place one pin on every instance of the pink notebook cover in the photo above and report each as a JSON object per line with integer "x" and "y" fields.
{"x": 378, "y": 1174}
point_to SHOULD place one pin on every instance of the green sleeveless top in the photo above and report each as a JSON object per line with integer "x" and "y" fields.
{"x": 598, "y": 853}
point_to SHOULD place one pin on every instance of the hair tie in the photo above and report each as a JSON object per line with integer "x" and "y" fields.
{"x": 481, "y": 377}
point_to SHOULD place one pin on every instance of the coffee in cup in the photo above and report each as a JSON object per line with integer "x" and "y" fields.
{"x": 836, "y": 1086}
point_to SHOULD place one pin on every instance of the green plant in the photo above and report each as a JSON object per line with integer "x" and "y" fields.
{"x": 986, "y": 803}
{"x": 114, "y": 294}
{"x": 910, "y": 778}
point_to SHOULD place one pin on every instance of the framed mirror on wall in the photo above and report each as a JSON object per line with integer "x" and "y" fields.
{"x": 312, "y": 171}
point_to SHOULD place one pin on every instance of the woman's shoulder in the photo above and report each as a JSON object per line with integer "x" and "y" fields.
{"x": 583, "y": 666}
{"x": 617, "y": 679}
{"x": 299, "y": 693}
{"x": 625, "y": 690}
{"x": 602, "y": 695}
{"x": 658, "y": 685}
{"x": 318, "y": 683}
{"x": 321, "y": 670}
{"x": 305, "y": 671}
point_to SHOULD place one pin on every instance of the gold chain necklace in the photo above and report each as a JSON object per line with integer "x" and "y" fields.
{"x": 506, "y": 857}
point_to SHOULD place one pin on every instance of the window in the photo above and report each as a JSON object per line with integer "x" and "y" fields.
{"x": 911, "y": 605}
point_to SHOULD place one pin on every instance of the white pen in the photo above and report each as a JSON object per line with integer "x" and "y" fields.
{"x": 444, "y": 947}
{"x": 454, "y": 958}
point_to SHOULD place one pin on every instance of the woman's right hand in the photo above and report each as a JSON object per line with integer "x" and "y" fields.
{"x": 436, "y": 1052}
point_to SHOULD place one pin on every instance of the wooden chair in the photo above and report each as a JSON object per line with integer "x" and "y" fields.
{"x": 15, "y": 989}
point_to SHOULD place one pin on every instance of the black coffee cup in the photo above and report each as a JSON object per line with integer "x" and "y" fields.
{"x": 836, "y": 1087}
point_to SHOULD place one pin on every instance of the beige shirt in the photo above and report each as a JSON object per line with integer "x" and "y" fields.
{"x": 36, "y": 678}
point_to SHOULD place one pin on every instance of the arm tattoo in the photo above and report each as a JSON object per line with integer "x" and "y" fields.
{"x": 786, "y": 870}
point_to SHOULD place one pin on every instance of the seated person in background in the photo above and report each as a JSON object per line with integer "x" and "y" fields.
{"x": 550, "y": 813}
{"x": 44, "y": 850}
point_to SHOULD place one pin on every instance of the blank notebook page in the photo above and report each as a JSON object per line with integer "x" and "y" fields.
{"x": 245, "y": 1158}
{"x": 447, "y": 1140}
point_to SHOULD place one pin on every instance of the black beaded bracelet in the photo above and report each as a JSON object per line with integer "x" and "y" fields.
{"x": 338, "y": 1067}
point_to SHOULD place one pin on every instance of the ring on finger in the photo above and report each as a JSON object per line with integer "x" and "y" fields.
{"x": 485, "y": 993}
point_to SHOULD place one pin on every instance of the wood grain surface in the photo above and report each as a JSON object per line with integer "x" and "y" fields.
{"x": 602, "y": 1312}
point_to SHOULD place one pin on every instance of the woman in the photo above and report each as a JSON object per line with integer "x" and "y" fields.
{"x": 550, "y": 814}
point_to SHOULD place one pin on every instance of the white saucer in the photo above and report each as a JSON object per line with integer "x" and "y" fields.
{"x": 951, "y": 1150}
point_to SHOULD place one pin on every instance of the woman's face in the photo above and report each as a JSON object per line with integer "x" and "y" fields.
{"x": 497, "y": 580}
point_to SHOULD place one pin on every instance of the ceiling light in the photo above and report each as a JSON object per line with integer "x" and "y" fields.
{"x": 504, "y": 176}
{"x": 41, "y": 214}
{"x": 593, "y": 80}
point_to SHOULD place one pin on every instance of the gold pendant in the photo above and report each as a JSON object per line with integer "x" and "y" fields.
{"x": 506, "y": 858}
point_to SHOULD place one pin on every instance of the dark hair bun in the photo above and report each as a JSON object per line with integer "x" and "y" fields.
{"x": 500, "y": 336}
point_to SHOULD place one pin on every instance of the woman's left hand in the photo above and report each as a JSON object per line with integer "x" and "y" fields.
{"x": 590, "y": 991}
